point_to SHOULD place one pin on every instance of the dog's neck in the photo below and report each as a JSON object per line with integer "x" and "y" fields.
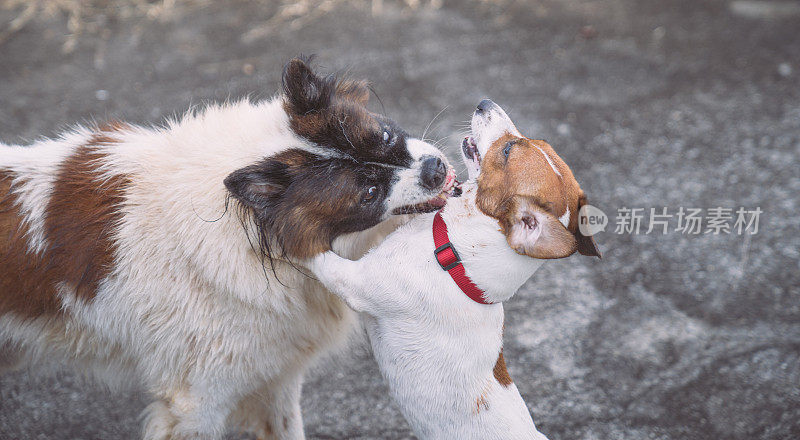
{"x": 488, "y": 259}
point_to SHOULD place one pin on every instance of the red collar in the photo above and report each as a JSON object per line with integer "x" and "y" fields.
{"x": 448, "y": 258}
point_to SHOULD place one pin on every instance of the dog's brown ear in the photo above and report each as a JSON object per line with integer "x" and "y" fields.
{"x": 534, "y": 232}
{"x": 586, "y": 244}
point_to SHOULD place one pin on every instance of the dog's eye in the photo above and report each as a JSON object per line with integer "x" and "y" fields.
{"x": 386, "y": 136}
{"x": 369, "y": 194}
{"x": 507, "y": 149}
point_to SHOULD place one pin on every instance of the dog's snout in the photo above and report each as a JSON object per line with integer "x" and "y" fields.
{"x": 433, "y": 172}
{"x": 484, "y": 106}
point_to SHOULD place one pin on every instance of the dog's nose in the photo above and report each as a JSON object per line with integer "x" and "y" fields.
{"x": 485, "y": 106}
{"x": 433, "y": 172}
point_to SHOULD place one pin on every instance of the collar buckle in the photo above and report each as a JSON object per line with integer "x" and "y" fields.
{"x": 447, "y": 261}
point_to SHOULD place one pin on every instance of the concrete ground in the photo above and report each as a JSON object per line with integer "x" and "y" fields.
{"x": 653, "y": 103}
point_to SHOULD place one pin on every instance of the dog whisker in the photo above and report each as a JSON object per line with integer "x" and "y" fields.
{"x": 434, "y": 118}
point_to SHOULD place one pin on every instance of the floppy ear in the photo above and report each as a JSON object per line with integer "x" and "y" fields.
{"x": 261, "y": 185}
{"x": 305, "y": 91}
{"x": 586, "y": 244}
{"x": 534, "y": 232}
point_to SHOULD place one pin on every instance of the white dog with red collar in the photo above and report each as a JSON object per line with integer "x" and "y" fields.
{"x": 437, "y": 334}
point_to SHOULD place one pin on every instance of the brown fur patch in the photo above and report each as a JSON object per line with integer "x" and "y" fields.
{"x": 500, "y": 371}
{"x": 81, "y": 214}
{"x": 526, "y": 181}
{"x": 268, "y": 431}
{"x": 526, "y": 173}
{"x": 27, "y": 282}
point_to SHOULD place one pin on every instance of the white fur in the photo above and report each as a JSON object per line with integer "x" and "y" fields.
{"x": 564, "y": 219}
{"x": 550, "y": 161}
{"x": 188, "y": 309}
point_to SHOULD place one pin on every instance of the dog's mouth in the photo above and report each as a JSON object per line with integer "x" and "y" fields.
{"x": 451, "y": 188}
{"x": 470, "y": 149}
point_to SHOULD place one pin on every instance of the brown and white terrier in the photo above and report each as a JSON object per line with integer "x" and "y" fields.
{"x": 527, "y": 187}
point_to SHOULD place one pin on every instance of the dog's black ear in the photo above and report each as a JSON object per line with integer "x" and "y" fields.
{"x": 586, "y": 244}
{"x": 306, "y": 91}
{"x": 261, "y": 185}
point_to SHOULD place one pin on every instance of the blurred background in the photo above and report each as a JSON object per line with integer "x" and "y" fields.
{"x": 653, "y": 103}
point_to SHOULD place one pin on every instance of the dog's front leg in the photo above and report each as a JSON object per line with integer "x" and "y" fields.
{"x": 344, "y": 278}
{"x": 273, "y": 411}
{"x": 197, "y": 413}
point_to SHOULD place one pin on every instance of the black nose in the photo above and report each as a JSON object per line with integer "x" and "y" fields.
{"x": 485, "y": 105}
{"x": 433, "y": 172}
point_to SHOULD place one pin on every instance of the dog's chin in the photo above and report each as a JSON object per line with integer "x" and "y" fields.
{"x": 450, "y": 188}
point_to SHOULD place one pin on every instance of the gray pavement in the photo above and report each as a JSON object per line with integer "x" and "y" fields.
{"x": 653, "y": 103}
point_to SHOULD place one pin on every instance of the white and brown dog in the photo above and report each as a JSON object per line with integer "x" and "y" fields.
{"x": 437, "y": 334}
{"x": 118, "y": 253}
